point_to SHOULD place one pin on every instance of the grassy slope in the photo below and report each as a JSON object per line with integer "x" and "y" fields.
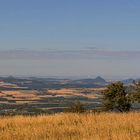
{"x": 108, "y": 126}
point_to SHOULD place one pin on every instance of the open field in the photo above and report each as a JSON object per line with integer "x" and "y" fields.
{"x": 31, "y": 95}
{"x": 47, "y": 100}
{"x": 104, "y": 126}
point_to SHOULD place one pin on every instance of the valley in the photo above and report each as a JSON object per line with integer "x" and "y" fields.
{"x": 34, "y": 96}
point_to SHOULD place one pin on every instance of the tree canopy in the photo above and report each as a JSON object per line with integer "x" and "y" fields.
{"x": 116, "y": 98}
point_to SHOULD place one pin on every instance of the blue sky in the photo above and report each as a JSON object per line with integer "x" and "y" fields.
{"x": 66, "y": 38}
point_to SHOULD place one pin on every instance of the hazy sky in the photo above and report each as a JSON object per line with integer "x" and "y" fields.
{"x": 70, "y": 37}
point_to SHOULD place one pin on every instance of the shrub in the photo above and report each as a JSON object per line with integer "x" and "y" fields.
{"x": 76, "y": 108}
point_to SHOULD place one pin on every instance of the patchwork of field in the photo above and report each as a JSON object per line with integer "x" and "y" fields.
{"x": 48, "y": 100}
{"x": 10, "y": 85}
{"x": 89, "y": 93}
{"x": 102, "y": 126}
{"x": 19, "y": 95}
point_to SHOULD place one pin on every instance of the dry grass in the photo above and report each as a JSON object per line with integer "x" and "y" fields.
{"x": 72, "y": 127}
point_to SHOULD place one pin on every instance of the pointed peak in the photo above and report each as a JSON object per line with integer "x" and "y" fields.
{"x": 100, "y": 79}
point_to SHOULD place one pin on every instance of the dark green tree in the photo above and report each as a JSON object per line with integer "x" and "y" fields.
{"x": 116, "y": 98}
{"x": 76, "y": 108}
{"x": 135, "y": 93}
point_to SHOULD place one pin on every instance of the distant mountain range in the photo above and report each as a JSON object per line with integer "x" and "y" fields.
{"x": 130, "y": 81}
{"x": 97, "y": 81}
{"x": 9, "y": 83}
{"x": 39, "y": 83}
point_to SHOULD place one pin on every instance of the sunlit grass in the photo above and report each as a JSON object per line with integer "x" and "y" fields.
{"x": 104, "y": 126}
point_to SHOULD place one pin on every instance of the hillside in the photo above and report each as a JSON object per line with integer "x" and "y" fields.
{"x": 13, "y": 83}
{"x": 107, "y": 126}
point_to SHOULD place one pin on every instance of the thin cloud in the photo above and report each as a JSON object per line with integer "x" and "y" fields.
{"x": 85, "y": 53}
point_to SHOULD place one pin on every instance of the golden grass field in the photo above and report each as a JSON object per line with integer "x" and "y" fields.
{"x": 104, "y": 126}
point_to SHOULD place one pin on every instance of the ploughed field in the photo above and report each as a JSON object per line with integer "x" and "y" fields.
{"x": 103, "y": 126}
{"x": 47, "y": 100}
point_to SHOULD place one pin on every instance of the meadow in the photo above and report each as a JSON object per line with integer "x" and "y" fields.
{"x": 67, "y": 126}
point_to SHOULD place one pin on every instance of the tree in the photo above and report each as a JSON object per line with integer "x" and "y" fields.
{"x": 76, "y": 108}
{"x": 116, "y": 98}
{"x": 135, "y": 93}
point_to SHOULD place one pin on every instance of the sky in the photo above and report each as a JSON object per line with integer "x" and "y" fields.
{"x": 70, "y": 38}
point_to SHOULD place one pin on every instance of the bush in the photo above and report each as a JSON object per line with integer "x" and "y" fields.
{"x": 76, "y": 108}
